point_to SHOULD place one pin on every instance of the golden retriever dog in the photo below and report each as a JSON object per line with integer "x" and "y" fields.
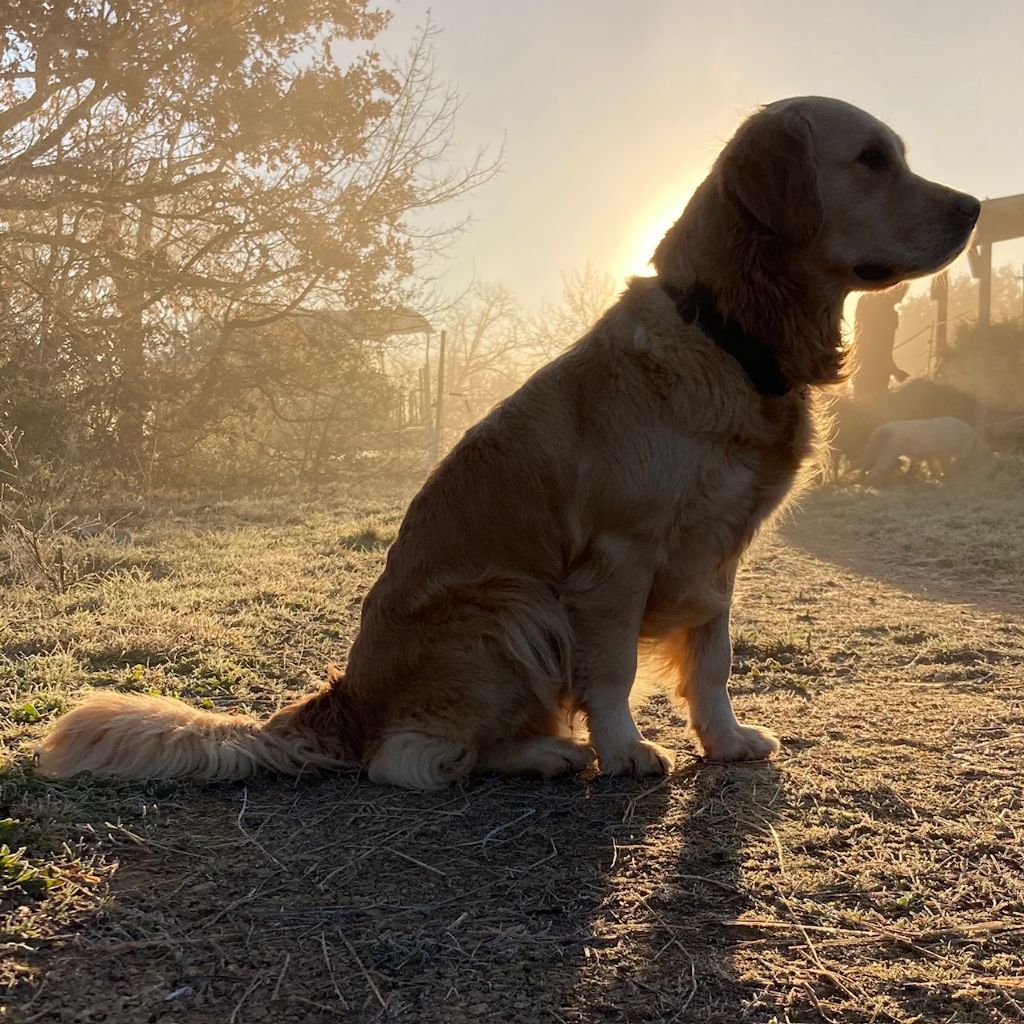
{"x": 605, "y": 505}
{"x": 937, "y": 442}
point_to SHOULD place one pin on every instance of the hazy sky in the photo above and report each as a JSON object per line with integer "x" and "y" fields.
{"x": 611, "y": 111}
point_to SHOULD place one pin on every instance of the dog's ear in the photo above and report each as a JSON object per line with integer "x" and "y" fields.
{"x": 770, "y": 167}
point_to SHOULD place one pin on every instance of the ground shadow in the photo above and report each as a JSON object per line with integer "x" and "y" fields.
{"x": 579, "y": 900}
{"x": 669, "y": 914}
{"x": 939, "y": 543}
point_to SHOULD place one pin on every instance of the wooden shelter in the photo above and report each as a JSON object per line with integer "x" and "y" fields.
{"x": 1000, "y": 220}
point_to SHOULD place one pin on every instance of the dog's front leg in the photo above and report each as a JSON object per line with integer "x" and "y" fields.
{"x": 704, "y": 658}
{"x": 621, "y": 747}
{"x": 605, "y": 635}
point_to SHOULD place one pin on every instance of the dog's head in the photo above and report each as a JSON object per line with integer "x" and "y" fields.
{"x": 831, "y": 182}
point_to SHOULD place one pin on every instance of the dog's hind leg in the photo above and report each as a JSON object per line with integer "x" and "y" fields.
{"x": 703, "y": 655}
{"x": 496, "y": 675}
{"x": 417, "y": 758}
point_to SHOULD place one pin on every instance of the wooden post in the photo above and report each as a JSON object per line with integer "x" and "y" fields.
{"x": 940, "y": 293}
{"x": 984, "y": 290}
{"x": 984, "y": 320}
{"x": 425, "y": 381}
{"x": 436, "y": 446}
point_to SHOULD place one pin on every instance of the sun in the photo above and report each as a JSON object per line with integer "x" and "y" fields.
{"x": 648, "y": 230}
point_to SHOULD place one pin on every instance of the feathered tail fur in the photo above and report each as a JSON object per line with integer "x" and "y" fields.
{"x": 134, "y": 737}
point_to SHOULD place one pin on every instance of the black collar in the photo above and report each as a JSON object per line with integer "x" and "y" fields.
{"x": 697, "y": 305}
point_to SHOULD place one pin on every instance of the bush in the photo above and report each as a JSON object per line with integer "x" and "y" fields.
{"x": 988, "y": 365}
{"x": 38, "y": 542}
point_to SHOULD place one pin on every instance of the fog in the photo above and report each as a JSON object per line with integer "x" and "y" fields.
{"x": 611, "y": 113}
{"x": 264, "y": 265}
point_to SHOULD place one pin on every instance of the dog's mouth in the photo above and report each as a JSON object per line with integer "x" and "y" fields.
{"x": 886, "y": 274}
{"x": 881, "y": 275}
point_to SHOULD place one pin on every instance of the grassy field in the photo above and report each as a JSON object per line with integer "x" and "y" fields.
{"x": 872, "y": 872}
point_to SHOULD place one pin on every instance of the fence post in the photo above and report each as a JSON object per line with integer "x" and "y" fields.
{"x": 940, "y": 294}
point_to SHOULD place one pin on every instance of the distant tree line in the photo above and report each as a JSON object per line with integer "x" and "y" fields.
{"x": 188, "y": 193}
{"x": 494, "y": 343}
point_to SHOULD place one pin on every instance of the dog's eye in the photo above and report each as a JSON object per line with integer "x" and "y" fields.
{"x": 873, "y": 158}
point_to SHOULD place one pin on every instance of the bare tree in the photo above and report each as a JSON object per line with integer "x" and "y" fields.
{"x": 493, "y": 346}
{"x": 176, "y": 178}
{"x": 485, "y": 352}
{"x": 586, "y": 293}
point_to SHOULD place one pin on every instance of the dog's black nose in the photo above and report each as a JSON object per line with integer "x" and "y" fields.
{"x": 968, "y": 206}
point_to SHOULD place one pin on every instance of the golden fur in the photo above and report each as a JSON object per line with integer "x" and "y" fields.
{"x": 604, "y": 505}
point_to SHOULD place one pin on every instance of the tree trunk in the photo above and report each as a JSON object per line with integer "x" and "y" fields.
{"x": 133, "y": 399}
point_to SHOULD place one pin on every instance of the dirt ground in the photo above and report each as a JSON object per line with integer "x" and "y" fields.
{"x": 874, "y": 871}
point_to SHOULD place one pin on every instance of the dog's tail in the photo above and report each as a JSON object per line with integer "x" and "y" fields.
{"x": 134, "y": 737}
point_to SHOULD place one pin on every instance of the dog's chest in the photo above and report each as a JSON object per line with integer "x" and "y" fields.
{"x": 738, "y": 482}
{"x": 746, "y": 469}
{"x": 776, "y": 452}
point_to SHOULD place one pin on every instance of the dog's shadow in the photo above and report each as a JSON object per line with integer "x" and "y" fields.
{"x": 577, "y": 900}
{"x": 666, "y": 921}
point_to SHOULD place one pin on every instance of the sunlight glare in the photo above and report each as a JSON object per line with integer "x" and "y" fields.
{"x": 649, "y": 228}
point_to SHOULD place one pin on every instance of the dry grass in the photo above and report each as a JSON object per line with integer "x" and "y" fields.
{"x": 874, "y": 872}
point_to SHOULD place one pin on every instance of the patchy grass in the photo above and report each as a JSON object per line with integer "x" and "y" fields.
{"x": 958, "y": 542}
{"x": 873, "y": 872}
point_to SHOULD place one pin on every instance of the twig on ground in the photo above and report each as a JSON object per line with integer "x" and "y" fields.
{"x": 248, "y": 836}
{"x": 330, "y": 968}
{"x": 245, "y": 995}
{"x": 280, "y": 977}
{"x": 413, "y": 860}
{"x": 365, "y": 972}
{"x": 630, "y": 812}
{"x": 498, "y": 829}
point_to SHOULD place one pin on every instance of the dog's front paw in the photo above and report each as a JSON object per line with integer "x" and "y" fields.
{"x": 743, "y": 743}
{"x": 640, "y": 757}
